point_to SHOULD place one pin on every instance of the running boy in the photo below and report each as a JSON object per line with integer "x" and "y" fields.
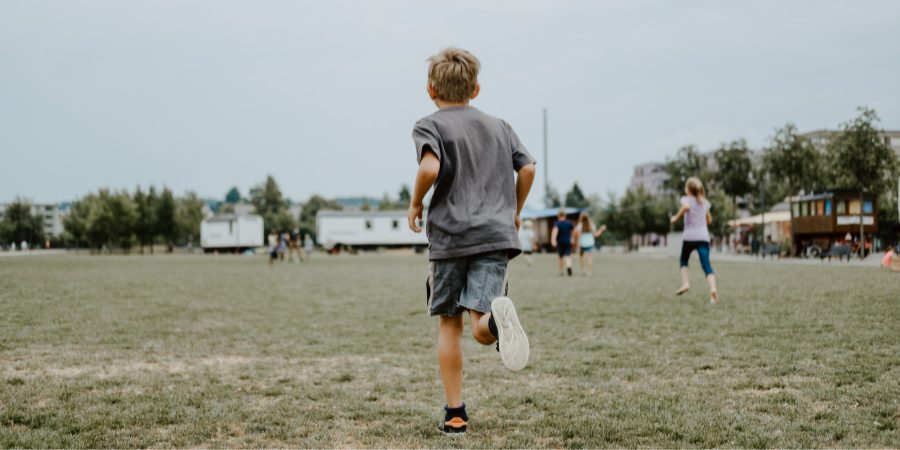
{"x": 469, "y": 157}
{"x": 561, "y": 238}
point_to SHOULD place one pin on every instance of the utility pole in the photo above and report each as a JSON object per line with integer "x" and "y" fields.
{"x": 762, "y": 190}
{"x": 546, "y": 163}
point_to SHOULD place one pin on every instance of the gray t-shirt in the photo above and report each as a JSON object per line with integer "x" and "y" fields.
{"x": 473, "y": 207}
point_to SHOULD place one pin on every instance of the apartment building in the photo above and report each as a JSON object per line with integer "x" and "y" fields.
{"x": 53, "y": 215}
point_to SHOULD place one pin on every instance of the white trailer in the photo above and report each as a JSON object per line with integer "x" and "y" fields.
{"x": 228, "y": 233}
{"x": 368, "y": 229}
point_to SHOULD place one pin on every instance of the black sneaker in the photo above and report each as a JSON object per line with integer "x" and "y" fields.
{"x": 455, "y": 421}
{"x": 569, "y": 269}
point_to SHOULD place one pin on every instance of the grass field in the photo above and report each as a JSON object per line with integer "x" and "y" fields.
{"x": 175, "y": 351}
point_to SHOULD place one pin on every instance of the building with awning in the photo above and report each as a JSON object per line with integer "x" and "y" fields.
{"x": 778, "y": 224}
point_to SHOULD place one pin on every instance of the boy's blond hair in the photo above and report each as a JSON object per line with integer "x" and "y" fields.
{"x": 453, "y": 74}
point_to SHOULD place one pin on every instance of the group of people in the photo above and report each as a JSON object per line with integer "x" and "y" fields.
{"x": 564, "y": 238}
{"x": 470, "y": 158}
{"x": 289, "y": 242}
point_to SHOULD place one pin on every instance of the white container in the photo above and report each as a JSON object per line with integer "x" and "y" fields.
{"x": 229, "y": 232}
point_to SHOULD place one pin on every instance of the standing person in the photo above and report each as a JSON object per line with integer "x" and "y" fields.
{"x": 273, "y": 246}
{"x": 294, "y": 243}
{"x": 283, "y": 245}
{"x": 695, "y": 209}
{"x": 308, "y": 242}
{"x": 526, "y": 240}
{"x": 561, "y": 238}
{"x": 473, "y": 221}
{"x": 584, "y": 236}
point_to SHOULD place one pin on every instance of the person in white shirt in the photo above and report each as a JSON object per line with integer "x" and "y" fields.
{"x": 526, "y": 239}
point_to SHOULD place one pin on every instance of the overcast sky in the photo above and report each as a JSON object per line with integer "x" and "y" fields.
{"x": 323, "y": 95}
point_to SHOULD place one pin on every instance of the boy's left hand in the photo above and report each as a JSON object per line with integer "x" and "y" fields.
{"x": 415, "y": 212}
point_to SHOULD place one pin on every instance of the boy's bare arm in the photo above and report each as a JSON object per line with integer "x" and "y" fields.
{"x": 428, "y": 172}
{"x": 523, "y": 187}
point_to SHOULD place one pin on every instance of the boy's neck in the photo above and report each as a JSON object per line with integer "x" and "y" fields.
{"x": 442, "y": 104}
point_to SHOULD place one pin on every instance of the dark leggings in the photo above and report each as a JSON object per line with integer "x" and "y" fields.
{"x": 702, "y": 248}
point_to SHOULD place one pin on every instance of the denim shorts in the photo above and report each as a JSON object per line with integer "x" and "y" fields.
{"x": 471, "y": 282}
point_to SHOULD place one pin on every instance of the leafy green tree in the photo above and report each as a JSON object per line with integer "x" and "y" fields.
{"x": 189, "y": 214}
{"x": 233, "y": 196}
{"x": 271, "y": 205}
{"x": 365, "y": 206}
{"x": 735, "y": 170}
{"x": 76, "y": 221}
{"x": 166, "y": 221}
{"x": 19, "y": 224}
{"x": 310, "y": 209}
{"x": 111, "y": 220}
{"x": 405, "y": 198}
{"x": 860, "y": 160}
{"x": 793, "y": 160}
{"x": 688, "y": 162}
{"x": 551, "y": 197}
{"x": 576, "y": 199}
{"x": 145, "y": 224}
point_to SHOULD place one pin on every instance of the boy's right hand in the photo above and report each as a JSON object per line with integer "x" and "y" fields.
{"x": 415, "y": 212}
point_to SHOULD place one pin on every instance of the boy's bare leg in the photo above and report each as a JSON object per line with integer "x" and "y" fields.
{"x": 560, "y": 264}
{"x": 481, "y": 331}
{"x": 568, "y": 261}
{"x": 450, "y": 358}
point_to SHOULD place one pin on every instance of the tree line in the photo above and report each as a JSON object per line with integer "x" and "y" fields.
{"x": 854, "y": 157}
{"x": 116, "y": 221}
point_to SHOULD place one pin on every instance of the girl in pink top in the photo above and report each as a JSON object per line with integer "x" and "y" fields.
{"x": 695, "y": 209}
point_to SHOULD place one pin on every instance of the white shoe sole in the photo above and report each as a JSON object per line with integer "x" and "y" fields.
{"x": 513, "y": 342}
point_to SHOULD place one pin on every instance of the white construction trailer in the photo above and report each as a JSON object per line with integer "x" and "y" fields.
{"x": 368, "y": 230}
{"x": 231, "y": 233}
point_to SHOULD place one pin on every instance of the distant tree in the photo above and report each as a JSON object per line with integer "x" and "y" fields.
{"x": 233, "y": 196}
{"x": 551, "y": 197}
{"x": 404, "y": 197}
{"x": 166, "y": 222}
{"x": 735, "y": 170}
{"x": 688, "y": 162}
{"x": 145, "y": 224}
{"x": 271, "y": 205}
{"x": 111, "y": 220}
{"x": 19, "y": 224}
{"x": 793, "y": 160}
{"x": 576, "y": 199}
{"x": 226, "y": 208}
{"x": 189, "y": 214}
{"x": 76, "y": 221}
{"x": 365, "y": 205}
{"x": 387, "y": 204}
{"x": 860, "y": 160}
{"x": 310, "y": 209}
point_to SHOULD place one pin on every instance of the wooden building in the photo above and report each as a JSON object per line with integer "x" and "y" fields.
{"x": 827, "y": 218}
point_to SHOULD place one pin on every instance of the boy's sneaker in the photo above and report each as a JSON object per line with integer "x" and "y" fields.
{"x": 570, "y": 271}
{"x": 455, "y": 420}
{"x": 511, "y": 339}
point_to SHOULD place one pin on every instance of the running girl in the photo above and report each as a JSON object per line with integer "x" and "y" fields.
{"x": 584, "y": 236}
{"x": 695, "y": 209}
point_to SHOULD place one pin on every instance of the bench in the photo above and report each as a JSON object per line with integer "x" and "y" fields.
{"x": 838, "y": 250}
{"x": 769, "y": 249}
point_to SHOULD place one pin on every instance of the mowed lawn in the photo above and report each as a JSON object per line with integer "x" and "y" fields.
{"x": 221, "y": 351}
